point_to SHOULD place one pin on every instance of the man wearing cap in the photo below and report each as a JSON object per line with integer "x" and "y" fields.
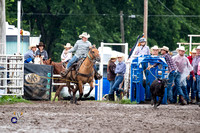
{"x": 65, "y": 56}
{"x": 143, "y": 49}
{"x": 172, "y": 75}
{"x": 41, "y": 52}
{"x": 111, "y": 74}
{"x": 30, "y": 54}
{"x": 191, "y": 77}
{"x": 195, "y": 63}
{"x": 183, "y": 69}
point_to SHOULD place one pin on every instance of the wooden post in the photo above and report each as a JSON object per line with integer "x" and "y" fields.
{"x": 145, "y": 18}
{"x": 2, "y": 27}
{"x": 122, "y": 29}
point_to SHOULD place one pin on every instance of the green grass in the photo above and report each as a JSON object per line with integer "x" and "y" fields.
{"x": 123, "y": 101}
{"x": 127, "y": 101}
{"x": 52, "y": 96}
{"x": 12, "y": 100}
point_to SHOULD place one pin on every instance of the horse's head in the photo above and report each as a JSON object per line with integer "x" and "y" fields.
{"x": 94, "y": 53}
{"x": 48, "y": 62}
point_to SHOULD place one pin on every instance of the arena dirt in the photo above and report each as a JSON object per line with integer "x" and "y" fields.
{"x": 93, "y": 116}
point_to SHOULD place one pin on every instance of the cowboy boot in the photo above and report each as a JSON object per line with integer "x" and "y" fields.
{"x": 111, "y": 97}
{"x": 183, "y": 102}
{"x": 97, "y": 76}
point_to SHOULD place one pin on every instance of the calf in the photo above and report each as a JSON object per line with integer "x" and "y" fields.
{"x": 157, "y": 88}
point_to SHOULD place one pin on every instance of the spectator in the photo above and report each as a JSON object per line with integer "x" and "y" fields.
{"x": 41, "y": 51}
{"x": 155, "y": 51}
{"x": 183, "y": 69}
{"x": 143, "y": 49}
{"x": 119, "y": 71}
{"x": 30, "y": 54}
{"x": 196, "y": 81}
{"x": 111, "y": 73}
{"x": 191, "y": 78}
{"x": 65, "y": 56}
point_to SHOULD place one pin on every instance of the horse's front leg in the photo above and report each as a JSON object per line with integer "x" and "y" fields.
{"x": 91, "y": 88}
{"x": 74, "y": 99}
{"x": 58, "y": 92}
{"x": 80, "y": 86}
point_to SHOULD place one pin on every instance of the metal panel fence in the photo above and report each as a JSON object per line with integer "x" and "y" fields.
{"x": 11, "y": 74}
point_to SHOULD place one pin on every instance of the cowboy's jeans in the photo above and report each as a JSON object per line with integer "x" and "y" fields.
{"x": 111, "y": 84}
{"x": 118, "y": 81}
{"x": 198, "y": 85}
{"x": 176, "y": 77}
{"x": 169, "y": 87}
{"x": 177, "y": 82}
{"x": 73, "y": 59}
{"x": 190, "y": 86}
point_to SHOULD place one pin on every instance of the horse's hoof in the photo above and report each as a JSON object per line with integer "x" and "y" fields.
{"x": 151, "y": 102}
{"x": 155, "y": 107}
{"x": 71, "y": 100}
{"x": 86, "y": 95}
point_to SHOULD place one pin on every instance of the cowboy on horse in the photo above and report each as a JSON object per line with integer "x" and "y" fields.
{"x": 81, "y": 48}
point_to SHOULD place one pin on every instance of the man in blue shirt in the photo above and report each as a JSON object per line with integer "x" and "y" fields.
{"x": 30, "y": 54}
{"x": 119, "y": 71}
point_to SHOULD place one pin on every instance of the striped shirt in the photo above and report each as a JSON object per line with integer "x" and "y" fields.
{"x": 170, "y": 62}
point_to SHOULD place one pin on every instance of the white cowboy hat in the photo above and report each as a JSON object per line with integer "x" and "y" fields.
{"x": 164, "y": 48}
{"x": 84, "y": 34}
{"x": 113, "y": 57}
{"x": 155, "y": 47}
{"x": 193, "y": 51}
{"x": 120, "y": 56}
{"x": 181, "y": 48}
{"x": 68, "y": 45}
{"x": 31, "y": 46}
{"x": 198, "y": 47}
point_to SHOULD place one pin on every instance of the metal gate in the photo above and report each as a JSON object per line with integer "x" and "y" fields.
{"x": 11, "y": 74}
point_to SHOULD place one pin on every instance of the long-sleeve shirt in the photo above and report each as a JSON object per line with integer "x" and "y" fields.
{"x": 182, "y": 63}
{"x": 171, "y": 64}
{"x": 142, "y": 50}
{"x": 195, "y": 62}
{"x": 81, "y": 48}
{"x": 65, "y": 57}
{"x": 43, "y": 53}
{"x": 111, "y": 71}
{"x": 190, "y": 60}
{"x": 29, "y": 54}
{"x": 120, "y": 68}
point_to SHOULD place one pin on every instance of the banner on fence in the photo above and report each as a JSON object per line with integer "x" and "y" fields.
{"x": 37, "y": 81}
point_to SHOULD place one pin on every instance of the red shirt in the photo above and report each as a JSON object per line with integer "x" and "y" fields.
{"x": 190, "y": 59}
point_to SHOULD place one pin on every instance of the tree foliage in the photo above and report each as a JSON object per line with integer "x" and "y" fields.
{"x": 61, "y": 21}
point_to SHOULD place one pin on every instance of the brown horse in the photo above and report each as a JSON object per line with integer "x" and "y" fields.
{"x": 58, "y": 67}
{"x": 85, "y": 74}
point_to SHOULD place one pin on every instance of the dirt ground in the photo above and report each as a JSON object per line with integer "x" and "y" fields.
{"x": 92, "y": 116}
